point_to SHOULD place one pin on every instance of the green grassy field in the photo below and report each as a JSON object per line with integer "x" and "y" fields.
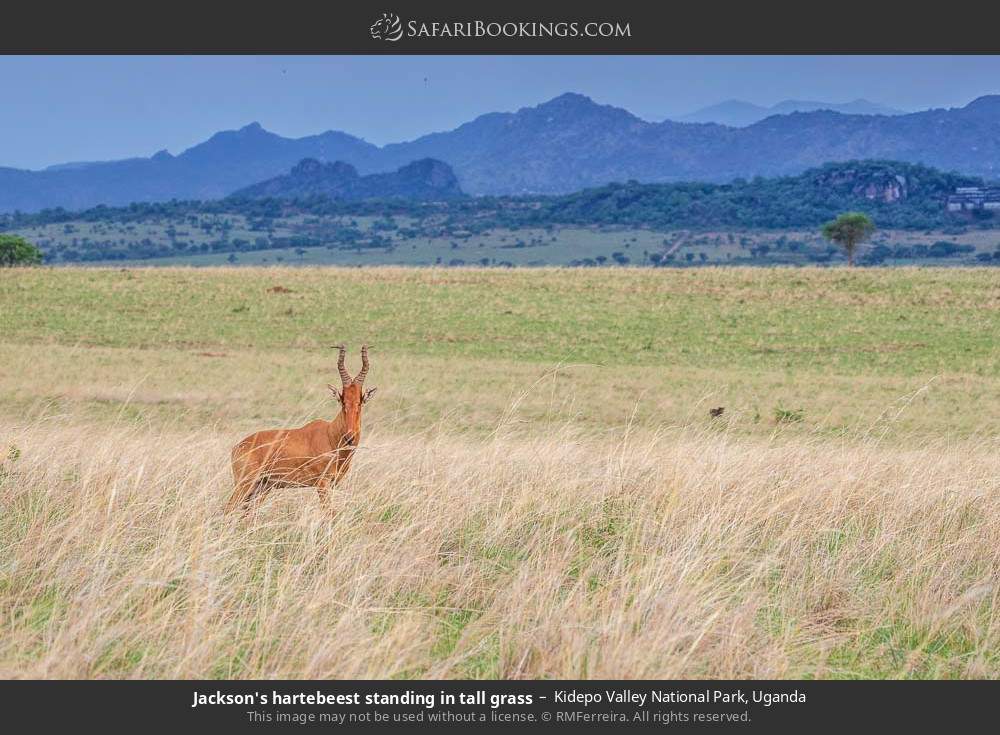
{"x": 526, "y": 247}
{"x": 235, "y": 239}
{"x": 541, "y": 491}
{"x": 844, "y": 348}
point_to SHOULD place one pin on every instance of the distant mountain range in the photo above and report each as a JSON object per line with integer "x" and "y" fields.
{"x": 426, "y": 179}
{"x": 560, "y": 146}
{"x": 222, "y": 164}
{"x": 740, "y": 114}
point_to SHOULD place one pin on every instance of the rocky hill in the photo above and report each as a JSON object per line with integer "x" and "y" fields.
{"x": 426, "y": 179}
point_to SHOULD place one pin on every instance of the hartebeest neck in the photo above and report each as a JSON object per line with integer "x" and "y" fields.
{"x": 337, "y": 430}
{"x": 337, "y": 427}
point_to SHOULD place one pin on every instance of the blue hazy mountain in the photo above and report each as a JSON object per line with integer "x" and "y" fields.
{"x": 559, "y": 146}
{"x": 740, "y": 114}
{"x": 225, "y": 162}
{"x": 426, "y": 179}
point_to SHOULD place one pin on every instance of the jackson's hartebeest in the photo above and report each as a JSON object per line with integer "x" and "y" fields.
{"x": 317, "y": 454}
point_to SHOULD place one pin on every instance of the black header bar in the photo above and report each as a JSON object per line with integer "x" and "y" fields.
{"x": 448, "y": 27}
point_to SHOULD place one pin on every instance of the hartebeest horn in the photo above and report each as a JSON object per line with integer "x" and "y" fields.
{"x": 345, "y": 377}
{"x": 360, "y": 379}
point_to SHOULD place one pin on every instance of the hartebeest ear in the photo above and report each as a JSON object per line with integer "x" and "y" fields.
{"x": 340, "y": 396}
{"x": 368, "y": 395}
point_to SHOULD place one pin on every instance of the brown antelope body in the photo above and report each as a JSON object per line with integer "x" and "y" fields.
{"x": 317, "y": 454}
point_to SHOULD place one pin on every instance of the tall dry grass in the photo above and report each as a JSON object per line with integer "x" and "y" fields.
{"x": 683, "y": 553}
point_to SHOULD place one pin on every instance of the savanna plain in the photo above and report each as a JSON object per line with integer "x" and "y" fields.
{"x": 545, "y": 486}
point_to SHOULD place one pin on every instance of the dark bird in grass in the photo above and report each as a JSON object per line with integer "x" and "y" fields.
{"x": 716, "y": 412}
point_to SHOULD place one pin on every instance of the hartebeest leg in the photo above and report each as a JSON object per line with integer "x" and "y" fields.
{"x": 247, "y": 493}
{"x": 332, "y": 474}
{"x": 323, "y": 488}
{"x": 241, "y": 492}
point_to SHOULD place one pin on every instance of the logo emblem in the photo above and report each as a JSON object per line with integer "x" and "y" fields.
{"x": 387, "y": 28}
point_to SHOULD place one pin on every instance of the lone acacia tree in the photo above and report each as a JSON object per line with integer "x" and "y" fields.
{"x": 16, "y": 250}
{"x": 849, "y": 230}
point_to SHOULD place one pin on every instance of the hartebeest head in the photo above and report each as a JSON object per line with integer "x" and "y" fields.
{"x": 352, "y": 396}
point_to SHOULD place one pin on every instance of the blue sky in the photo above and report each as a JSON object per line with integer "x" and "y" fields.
{"x": 62, "y": 108}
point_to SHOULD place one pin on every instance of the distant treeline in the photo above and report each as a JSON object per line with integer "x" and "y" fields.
{"x": 897, "y": 195}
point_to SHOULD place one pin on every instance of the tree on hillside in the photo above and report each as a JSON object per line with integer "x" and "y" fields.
{"x": 849, "y": 230}
{"x": 16, "y": 250}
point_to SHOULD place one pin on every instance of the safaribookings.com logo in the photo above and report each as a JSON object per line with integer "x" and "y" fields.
{"x": 390, "y": 28}
{"x": 387, "y": 28}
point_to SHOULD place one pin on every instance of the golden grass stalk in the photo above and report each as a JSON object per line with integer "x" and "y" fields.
{"x": 680, "y": 553}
